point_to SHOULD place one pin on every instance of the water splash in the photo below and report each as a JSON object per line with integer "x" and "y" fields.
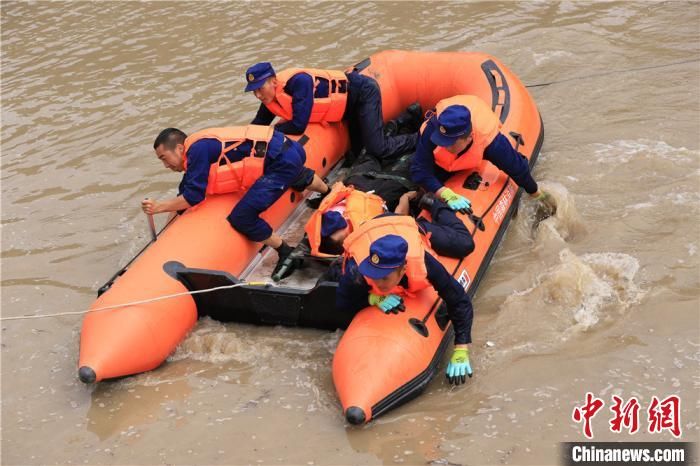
{"x": 572, "y": 297}
{"x": 215, "y": 342}
{"x": 554, "y": 232}
{"x": 594, "y": 283}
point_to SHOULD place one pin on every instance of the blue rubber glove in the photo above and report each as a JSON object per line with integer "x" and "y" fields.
{"x": 455, "y": 201}
{"x": 390, "y": 303}
{"x": 459, "y": 367}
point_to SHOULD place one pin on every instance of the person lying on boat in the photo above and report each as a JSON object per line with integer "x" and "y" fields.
{"x": 370, "y": 190}
{"x": 460, "y": 133}
{"x": 303, "y": 95}
{"x": 257, "y": 159}
{"x": 346, "y": 208}
{"x": 399, "y": 264}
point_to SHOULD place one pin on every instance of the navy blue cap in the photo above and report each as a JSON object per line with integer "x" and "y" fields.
{"x": 453, "y": 122}
{"x": 385, "y": 255}
{"x": 331, "y": 222}
{"x": 256, "y": 75}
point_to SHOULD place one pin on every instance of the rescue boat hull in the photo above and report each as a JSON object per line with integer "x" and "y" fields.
{"x": 138, "y": 338}
{"x": 382, "y": 360}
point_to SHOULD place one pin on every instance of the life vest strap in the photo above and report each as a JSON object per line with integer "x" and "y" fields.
{"x": 226, "y": 149}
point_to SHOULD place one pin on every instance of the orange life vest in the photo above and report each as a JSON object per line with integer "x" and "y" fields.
{"x": 357, "y": 246}
{"x": 226, "y": 176}
{"x": 485, "y": 127}
{"x": 325, "y": 109}
{"x": 359, "y": 207}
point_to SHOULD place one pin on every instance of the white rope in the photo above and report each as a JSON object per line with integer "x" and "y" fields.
{"x": 133, "y": 303}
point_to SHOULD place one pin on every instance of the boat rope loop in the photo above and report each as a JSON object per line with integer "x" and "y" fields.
{"x": 143, "y": 301}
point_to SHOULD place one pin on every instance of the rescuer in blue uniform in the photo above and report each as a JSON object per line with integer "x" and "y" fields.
{"x": 385, "y": 270}
{"x": 362, "y": 102}
{"x": 452, "y": 139}
{"x": 283, "y": 167}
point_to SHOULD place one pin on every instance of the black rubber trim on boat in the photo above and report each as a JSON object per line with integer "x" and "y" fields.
{"x": 172, "y": 268}
{"x": 419, "y": 326}
{"x": 108, "y": 284}
{"x": 261, "y": 304}
{"x": 362, "y": 65}
{"x": 415, "y": 386}
{"x": 488, "y": 67}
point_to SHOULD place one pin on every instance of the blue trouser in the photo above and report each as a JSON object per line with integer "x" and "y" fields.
{"x": 448, "y": 235}
{"x": 364, "y": 115}
{"x": 280, "y": 172}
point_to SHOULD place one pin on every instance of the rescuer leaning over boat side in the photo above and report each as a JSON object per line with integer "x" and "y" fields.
{"x": 460, "y": 133}
{"x": 401, "y": 263}
{"x": 257, "y": 159}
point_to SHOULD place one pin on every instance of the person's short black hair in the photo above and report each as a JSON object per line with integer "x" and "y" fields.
{"x": 170, "y": 137}
{"x": 330, "y": 246}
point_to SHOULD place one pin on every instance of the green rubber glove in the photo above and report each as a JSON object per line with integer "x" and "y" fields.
{"x": 459, "y": 367}
{"x": 455, "y": 201}
{"x": 387, "y": 304}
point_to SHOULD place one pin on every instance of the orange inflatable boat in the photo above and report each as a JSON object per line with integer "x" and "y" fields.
{"x": 139, "y": 338}
{"x": 412, "y": 344}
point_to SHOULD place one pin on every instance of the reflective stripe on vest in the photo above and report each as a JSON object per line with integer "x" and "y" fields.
{"x": 325, "y": 109}
{"x": 485, "y": 127}
{"x": 226, "y": 176}
{"x": 357, "y": 246}
{"x": 359, "y": 207}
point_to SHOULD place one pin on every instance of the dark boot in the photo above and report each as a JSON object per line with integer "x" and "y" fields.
{"x": 286, "y": 262}
{"x": 415, "y": 110}
{"x": 427, "y": 201}
{"x": 407, "y": 122}
{"x": 314, "y": 201}
{"x": 391, "y": 128}
{"x": 410, "y": 120}
{"x": 316, "y": 198}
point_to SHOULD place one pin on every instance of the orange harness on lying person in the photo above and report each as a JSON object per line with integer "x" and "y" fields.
{"x": 359, "y": 207}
